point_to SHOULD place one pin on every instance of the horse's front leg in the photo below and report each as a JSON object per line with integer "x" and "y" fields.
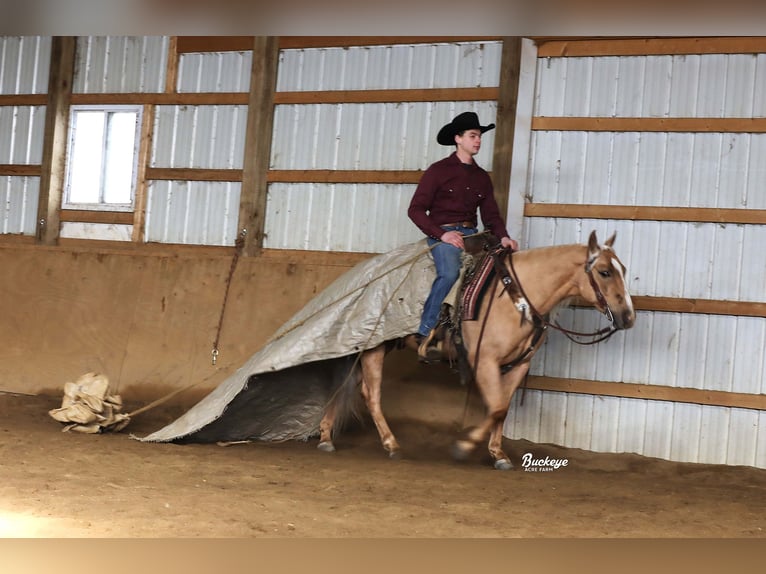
{"x": 511, "y": 382}
{"x": 496, "y": 390}
{"x": 372, "y": 381}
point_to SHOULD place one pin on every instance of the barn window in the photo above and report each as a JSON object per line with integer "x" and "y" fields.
{"x": 103, "y": 154}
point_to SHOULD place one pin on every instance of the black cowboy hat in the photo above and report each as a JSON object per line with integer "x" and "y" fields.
{"x": 462, "y": 122}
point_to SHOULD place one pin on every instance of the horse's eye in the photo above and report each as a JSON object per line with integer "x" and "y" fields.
{"x": 605, "y": 274}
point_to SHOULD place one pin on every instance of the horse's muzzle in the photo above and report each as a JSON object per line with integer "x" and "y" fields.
{"x": 625, "y": 319}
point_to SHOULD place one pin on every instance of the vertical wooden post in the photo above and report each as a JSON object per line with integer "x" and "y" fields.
{"x": 260, "y": 121}
{"x": 142, "y": 185}
{"x": 510, "y": 66}
{"x": 53, "y": 165}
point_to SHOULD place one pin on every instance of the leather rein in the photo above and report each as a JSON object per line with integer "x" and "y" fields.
{"x": 602, "y": 334}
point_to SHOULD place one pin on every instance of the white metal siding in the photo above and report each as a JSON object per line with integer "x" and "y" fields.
{"x": 454, "y": 65}
{"x": 215, "y": 72}
{"x": 367, "y": 217}
{"x": 400, "y": 136}
{"x": 22, "y": 128}
{"x": 211, "y": 137}
{"x": 24, "y": 64}
{"x": 18, "y": 204}
{"x": 711, "y": 85}
{"x": 643, "y": 168}
{"x": 664, "y": 259}
{"x": 120, "y": 64}
{"x": 193, "y": 212}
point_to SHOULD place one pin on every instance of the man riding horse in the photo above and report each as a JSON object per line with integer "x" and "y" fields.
{"x": 444, "y": 207}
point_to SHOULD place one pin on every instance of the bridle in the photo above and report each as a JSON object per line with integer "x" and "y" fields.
{"x": 602, "y": 334}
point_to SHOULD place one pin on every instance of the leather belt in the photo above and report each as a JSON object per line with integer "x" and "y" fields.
{"x": 459, "y": 224}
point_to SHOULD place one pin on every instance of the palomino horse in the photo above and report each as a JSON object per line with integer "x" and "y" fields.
{"x": 500, "y": 343}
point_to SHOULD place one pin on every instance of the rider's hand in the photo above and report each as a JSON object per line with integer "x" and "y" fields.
{"x": 453, "y": 238}
{"x": 508, "y": 242}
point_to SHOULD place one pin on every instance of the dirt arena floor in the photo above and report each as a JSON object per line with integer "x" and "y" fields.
{"x": 76, "y": 485}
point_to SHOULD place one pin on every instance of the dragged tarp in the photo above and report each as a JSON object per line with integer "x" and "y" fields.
{"x": 281, "y": 391}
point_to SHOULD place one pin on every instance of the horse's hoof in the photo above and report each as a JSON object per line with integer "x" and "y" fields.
{"x": 326, "y": 446}
{"x": 503, "y": 464}
{"x": 461, "y": 450}
{"x": 395, "y": 455}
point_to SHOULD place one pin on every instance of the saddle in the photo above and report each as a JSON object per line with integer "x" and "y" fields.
{"x": 484, "y": 260}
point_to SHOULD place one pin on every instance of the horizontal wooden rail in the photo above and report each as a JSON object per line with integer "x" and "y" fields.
{"x": 650, "y": 392}
{"x": 563, "y": 47}
{"x": 200, "y": 44}
{"x": 342, "y": 176}
{"x": 386, "y": 96}
{"x": 683, "y": 125}
{"x": 23, "y": 99}
{"x": 700, "y": 306}
{"x": 691, "y": 305}
{"x": 20, "y": 169}
{"x": 97, "y": 216}
{"x": 647, "y": 213}
{"x": 166, "y": 99}
{"x": 193, "y": 174}
{"x": 301, "y": 97}
{"x": 287, "y": 175}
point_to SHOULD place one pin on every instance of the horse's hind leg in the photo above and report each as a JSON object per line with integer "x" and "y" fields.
{"x": 372, "y": 380}
{"x": 325, "y": 428}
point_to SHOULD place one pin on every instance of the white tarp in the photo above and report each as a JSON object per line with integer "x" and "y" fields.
{"x": 378, "y": 300}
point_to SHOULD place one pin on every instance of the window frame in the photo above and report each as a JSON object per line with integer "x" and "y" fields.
{"x": 102, "y": 206}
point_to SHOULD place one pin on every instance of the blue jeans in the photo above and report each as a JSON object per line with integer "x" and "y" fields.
{"x": 447, "y": 262}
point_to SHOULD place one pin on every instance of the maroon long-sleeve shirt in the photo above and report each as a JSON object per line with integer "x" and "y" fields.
{"x": 451, "y": 191}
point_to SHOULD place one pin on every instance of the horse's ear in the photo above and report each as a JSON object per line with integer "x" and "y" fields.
{"x": 610, "y": 241}
{"x": 593, "y": 250}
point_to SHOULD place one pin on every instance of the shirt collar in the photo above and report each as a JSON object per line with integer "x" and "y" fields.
{"x": 456, "y": 160}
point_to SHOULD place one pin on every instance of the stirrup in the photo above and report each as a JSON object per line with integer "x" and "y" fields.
{"x": 429, "y": 350}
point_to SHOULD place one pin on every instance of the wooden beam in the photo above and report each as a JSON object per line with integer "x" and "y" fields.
{"x": 171, "y": 69}
{"x": 700, "y": 306}
{"x": 647, "y": 213}
{"x": 649, "y": 392}
{"x": 507, "y": 99}
{"x": 53, "y": 165}
{"x": 193, "y": 174}
{"x": 201, "y": 44}
{"x": 342, "y": 176}
{"x": 260, "y": 121}
{"x": 691, "y": 125}
{"x": 165, "y": 99}
{"x": 691, "y": 305}
{"x": 142, "y": 182}
{"x": 23, "y": 99}
{"x": 387, "y": 96}
{"x": 97, "y": 216}
{"x": 20, "y": 169}
{"x": 307, "y": 97}
{"x": 649, "y": 46}
{"x": 297, "y": 42}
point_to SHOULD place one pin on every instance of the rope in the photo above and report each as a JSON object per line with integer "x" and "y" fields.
{"x": 239, "y": 245}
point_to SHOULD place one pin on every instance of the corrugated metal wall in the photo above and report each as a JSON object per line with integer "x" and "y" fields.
{"x": 120, "y": 64}
{"x": 24, "y": 65}
{"x": 375, "y": 136}
{"x": 201, "y": 137}
{"x": 667, "y": 259}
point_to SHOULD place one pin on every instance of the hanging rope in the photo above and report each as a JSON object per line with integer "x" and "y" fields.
{"x": 239, "y": 245}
